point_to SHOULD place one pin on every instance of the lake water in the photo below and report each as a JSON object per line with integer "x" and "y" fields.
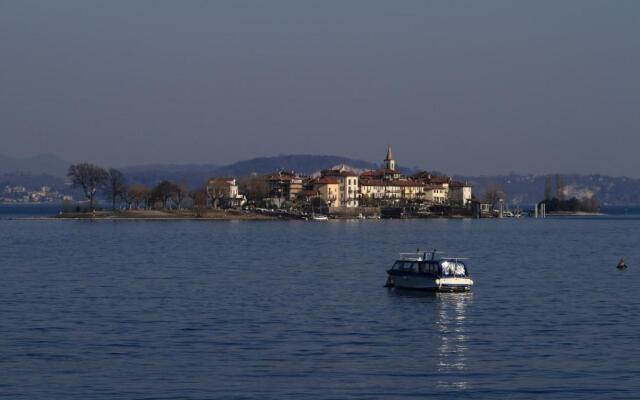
{"x": 297, "y": 310}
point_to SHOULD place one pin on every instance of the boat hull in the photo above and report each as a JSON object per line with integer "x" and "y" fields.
{"x": 427, "y": 283}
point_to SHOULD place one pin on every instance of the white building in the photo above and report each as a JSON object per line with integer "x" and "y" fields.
{"x": 460, "y": 194}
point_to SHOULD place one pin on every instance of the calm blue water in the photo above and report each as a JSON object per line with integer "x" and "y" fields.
{"x": 277, "y": 310}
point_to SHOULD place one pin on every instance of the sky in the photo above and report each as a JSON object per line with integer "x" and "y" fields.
{"x": 465, "y": 87}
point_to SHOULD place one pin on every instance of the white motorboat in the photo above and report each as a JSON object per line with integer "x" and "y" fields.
{"x": 425, "y": 271}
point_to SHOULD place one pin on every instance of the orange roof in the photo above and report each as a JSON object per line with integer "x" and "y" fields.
{"x": 325, "y": 181}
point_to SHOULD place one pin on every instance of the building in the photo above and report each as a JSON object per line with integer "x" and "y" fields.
{"x": 328, "y": 189}
{"x": 387, "y": 185}
{"x": 348, "y": 181}
{"x": 223, "y": 192}
{"x": 284, "y": 187}
{"x": 460, "y": 194}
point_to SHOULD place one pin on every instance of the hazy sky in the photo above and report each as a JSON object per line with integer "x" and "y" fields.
{"x": 473, "y": 87}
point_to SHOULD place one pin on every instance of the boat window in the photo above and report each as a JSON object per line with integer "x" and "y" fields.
{"x": 433, "y": 268}
{"x": 453, "y": 268}
{"x": 428, "y": 268}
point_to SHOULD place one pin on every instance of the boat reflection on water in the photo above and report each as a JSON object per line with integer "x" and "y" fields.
{"x": 445, "y": 325}
{"x": 452, "y": 350}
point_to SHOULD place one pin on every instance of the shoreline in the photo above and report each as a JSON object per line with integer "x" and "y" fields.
{"x": 238, "y": 215}
{"x": 166, "y": 215}
{"x": 205, "y": 215}
{"x": 575, "y": 214}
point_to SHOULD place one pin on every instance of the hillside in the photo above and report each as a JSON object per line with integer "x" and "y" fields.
{"x": 196, "y": 174}
{"x": 529, "y": 189}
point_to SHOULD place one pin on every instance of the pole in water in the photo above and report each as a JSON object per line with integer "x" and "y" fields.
{"x": 621, "y": 264}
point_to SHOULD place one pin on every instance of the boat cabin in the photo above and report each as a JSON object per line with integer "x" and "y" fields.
{"x": 427, "y": 264}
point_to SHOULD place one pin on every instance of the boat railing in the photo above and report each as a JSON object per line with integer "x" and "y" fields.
{"x": 417, "y": 256}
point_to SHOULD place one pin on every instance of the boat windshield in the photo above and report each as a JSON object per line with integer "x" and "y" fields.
{"x": 453, "y": 268}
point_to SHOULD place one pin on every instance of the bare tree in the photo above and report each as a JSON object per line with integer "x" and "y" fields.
{"x": 547, "y": 188}
{"x": 89, "y": 177}
{"x": 199, "y": 198}
{"x": 129, "y": 198}
{"x": 255, "y": 187}
{"x": 560, "y": 187}
{"x": 493, "y": 194}
{"x": 115, "y": 186}
{"x": 164, "y": 191}
{"x": 150, "y": 199}
{"x": 136, "y": 194}
{"x": 180, "y": 192}
{"x": 217, "y": 190}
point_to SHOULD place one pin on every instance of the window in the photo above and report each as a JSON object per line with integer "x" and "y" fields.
{"x": 453, "y": 268}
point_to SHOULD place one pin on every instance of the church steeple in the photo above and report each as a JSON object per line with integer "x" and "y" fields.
{"x": 389, "y": 162}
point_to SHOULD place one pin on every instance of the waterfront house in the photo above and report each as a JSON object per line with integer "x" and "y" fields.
{"x": 327, "y": 189}
{"x": 284, "y": 186}
{"x": 460, "y": 194}
{"x": 348, "y": 181}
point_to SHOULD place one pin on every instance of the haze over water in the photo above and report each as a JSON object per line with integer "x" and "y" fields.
{"x": 198, "y": 310}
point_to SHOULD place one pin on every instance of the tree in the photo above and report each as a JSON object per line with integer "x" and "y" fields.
{"x": 255, "y": 188}
{"x": 493, "y": 194}
{"x": 547, "y": 188}
{"x": 164, "y": 191}
{"x": 150, "y": 199}
{"x": 137, "y": 194}
{"x": 217, "y": 190}
{"x": 560, "y": 187}
{"x": 180, "y": 192}
{"x": 199, "y": 199}
{"x": 89, "y": 177}
{"x": 591, "y": 204}
{"x": 115, "y": 186}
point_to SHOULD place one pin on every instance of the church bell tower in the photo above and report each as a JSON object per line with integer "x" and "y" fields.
{"x": 389, "y": 162}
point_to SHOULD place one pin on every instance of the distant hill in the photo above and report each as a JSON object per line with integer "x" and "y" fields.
{"x": 196, "y": 174}
{"x": 193, "y": 175}
{"x": 301, "y": 163}
{"x": 529, "y": 189}
{"x": 44, "y": 164}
